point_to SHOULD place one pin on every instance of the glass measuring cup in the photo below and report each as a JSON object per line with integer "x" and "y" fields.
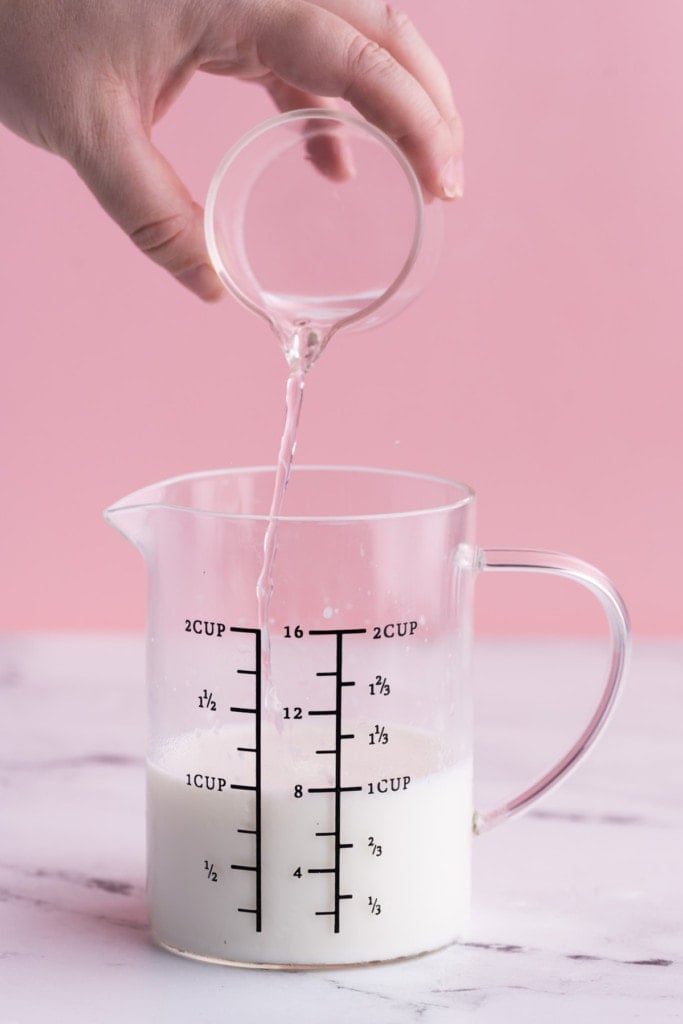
{"x": 330, "y": 821}
{"x": 315, "y": 221}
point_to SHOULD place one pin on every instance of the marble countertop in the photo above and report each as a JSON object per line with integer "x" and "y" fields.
{"x": 577, "y": 907}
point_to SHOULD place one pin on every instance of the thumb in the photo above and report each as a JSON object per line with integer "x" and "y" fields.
{"x": 140, "y": 190}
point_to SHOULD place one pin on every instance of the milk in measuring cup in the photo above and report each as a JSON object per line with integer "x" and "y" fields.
{"x": 403, "y": 873}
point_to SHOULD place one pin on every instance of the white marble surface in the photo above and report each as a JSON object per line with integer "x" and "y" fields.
{"x": 578, "y": 907}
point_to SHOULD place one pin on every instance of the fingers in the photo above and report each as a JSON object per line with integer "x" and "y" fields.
{"x": 288, "y": 97}
{"x": 325, "y": 146}
{"x": 313, "y": 49}
{"x": 141, "y": 191}
{"x": 393, "y": 29}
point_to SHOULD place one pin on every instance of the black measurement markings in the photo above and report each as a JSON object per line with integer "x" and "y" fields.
{"x": 337, "y": 789}
{"x": 256, "y": 867}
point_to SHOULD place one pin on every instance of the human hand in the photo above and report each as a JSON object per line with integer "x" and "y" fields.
{"x": 87, "y": 80}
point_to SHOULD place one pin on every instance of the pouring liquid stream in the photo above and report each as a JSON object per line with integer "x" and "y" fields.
{"x": 302, "y": 345}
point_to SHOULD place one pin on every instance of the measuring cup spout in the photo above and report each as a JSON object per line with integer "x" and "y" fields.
{"x": 133, "y": 516}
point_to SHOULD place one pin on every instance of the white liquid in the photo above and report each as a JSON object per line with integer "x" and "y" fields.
{"x": 407, "y": 871}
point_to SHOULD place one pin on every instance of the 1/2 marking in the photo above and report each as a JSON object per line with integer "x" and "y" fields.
{"x": 206, "y": 700}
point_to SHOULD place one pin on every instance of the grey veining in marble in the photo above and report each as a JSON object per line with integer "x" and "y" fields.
{"x": 578, "y": 907}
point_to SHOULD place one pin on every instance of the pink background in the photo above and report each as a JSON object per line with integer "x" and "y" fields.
{"x": 549, "y": 347}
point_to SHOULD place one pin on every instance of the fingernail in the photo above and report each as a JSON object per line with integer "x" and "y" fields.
{"x": 453, "y": 179}
{"x": 203, "y": 281}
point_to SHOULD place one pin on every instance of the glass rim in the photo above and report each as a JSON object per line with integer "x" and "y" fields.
{"x": 130, "y": 503}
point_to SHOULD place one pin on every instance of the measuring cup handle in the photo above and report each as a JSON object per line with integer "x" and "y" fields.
{"x": 513, "y": 560}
